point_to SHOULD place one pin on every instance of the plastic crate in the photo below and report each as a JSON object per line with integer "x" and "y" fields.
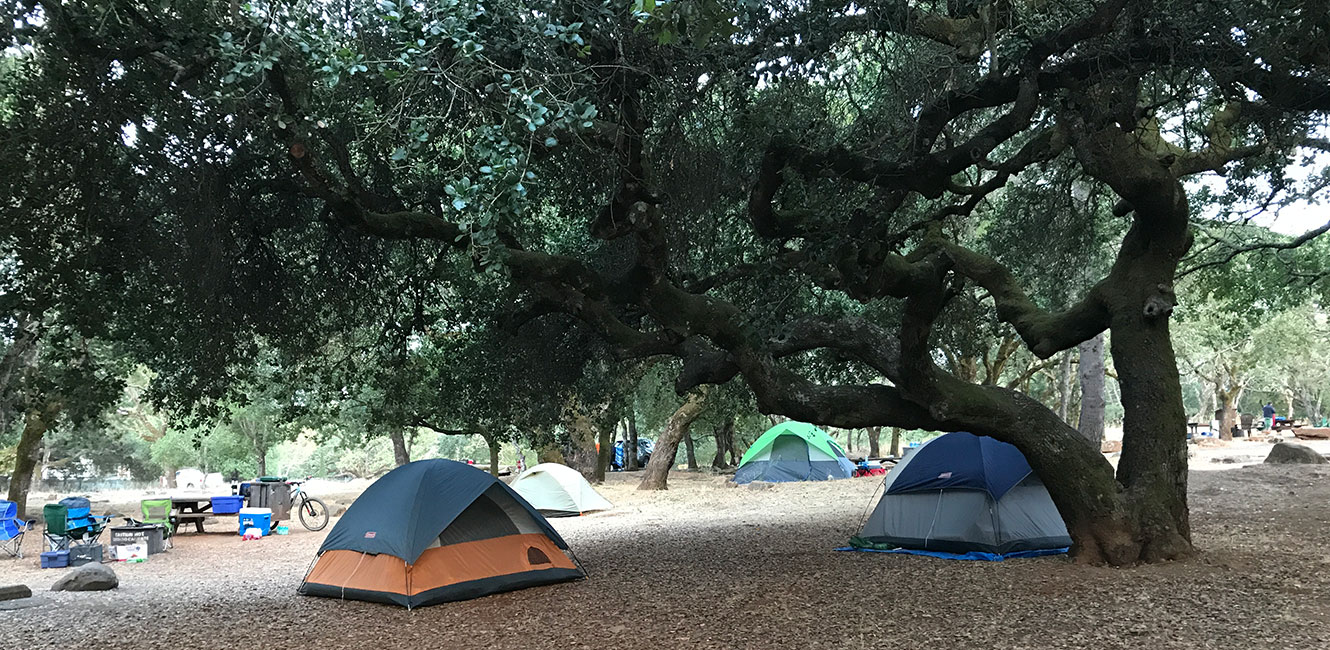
{"x": 55, "y": 559}
{"x": 227, "y": 505}
{"x": 260, "y": 518}
{"x": 81, "y": 555}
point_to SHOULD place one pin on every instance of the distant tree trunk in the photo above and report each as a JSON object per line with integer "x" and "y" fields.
{"x": 170, "y": 476}
{"x": 667, "y": 445}
{"x": 1064, "y": 387}
{"x": 583, "y": 425}
{"x": 550, "y": 453}
{"x": 1091, "y": 370}
{"x": 874, "y": 442}
{"x": 1228, "y": 410}
{"x": 604, "y": 452}
{"x": 691, "y": 452}
{"x": 263, "y": 461}
{"x": 493, "y": 443}
{"x": 896, "y": 442}
{"x": 630, "y": 449}
{"x": 401, "y": 455}
{"x": 849, "y": 441}
{"x": 724, "y": 434}
{"x": 36, "y": 423}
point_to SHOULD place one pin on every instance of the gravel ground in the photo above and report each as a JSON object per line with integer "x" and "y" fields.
{"x": 706, "y": 566}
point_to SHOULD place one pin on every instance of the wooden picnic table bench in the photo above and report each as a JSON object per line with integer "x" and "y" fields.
{"x": 186, "y": 509}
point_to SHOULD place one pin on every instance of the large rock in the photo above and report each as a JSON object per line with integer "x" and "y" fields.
{"x": 1289, "y": 452}
{"x": 89, "y": 577}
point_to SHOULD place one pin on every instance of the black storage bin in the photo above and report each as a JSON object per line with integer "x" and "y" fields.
{"x": 81, "y": 555}
{"x": 152, "y": 536}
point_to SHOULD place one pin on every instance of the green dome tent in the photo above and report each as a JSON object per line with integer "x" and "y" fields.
{"x": 793, "y": 451}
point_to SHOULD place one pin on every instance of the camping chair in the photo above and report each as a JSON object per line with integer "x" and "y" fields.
{"x": 12, "y": 529}
{"x": 156, "y": 512}
{"x": 71, "y": 523}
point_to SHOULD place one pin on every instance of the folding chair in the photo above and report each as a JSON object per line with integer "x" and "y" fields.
{"x": 71, "y": 523}
{"x": 156, "y": 512}
{"x": 12, "y": 529}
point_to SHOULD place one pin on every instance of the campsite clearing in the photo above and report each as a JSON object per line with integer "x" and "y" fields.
{"x": 708, "y": 566}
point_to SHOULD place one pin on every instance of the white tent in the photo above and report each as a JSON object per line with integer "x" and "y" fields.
{"x": 555, "y": 489}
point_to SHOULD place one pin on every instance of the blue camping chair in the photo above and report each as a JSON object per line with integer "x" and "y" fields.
{"x": 71, "y": 523}
{"x": 12, "y": 529}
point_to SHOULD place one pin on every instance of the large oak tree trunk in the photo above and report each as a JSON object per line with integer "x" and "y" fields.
{"x": 874, "y": 442}
{"x": 667, "y": 445}
{"x": 1091, "y": 370}
{"x": 896, "y": 442}
{"x": 401, "y": 455}
{"x": 36, "y": 422}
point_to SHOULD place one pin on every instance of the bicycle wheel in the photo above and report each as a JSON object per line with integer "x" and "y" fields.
{"x": 313, "y": 514}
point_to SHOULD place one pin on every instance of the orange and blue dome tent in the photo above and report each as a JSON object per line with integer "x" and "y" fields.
{"x": 436, "y": 531}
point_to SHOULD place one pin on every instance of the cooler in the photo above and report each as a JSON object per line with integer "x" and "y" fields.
{"x": 55, "y": 559}
{"x": 260, "y": 518}
{"x": 227, "y": 505}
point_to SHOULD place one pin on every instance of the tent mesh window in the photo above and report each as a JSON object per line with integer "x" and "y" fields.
{"x": 536, "y": 556}
{"x": 492, "y": 514}
{"x": 789, "y": 449}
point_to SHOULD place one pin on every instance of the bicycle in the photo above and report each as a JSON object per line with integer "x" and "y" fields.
{"x": 312, "y": 512}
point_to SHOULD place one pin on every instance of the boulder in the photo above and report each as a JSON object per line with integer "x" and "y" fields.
{"x": 1289, "y": 452}
{"x": 11, "y": 592}
{"x": 89, "y": 577}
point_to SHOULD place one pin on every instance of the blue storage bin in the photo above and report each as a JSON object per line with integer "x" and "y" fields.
{"x": 227, "y": 505}
{"x": 55, "y": 559}
{"x": 260, "y": 518}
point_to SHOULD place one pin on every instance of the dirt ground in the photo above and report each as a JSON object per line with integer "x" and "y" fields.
{"x": 708, "y": 566}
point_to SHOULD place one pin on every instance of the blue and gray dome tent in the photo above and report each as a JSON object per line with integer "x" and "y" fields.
{"x": 435, "y": 531}
{"x": 793, "y": 451}
{"x": 962, "y": 493}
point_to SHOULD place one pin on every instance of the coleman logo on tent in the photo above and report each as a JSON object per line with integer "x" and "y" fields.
{"x": 369, "y": 534}
{"x": 942, "y": 475}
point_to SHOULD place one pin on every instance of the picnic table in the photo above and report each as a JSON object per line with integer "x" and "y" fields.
{"x": 191, "y": 508}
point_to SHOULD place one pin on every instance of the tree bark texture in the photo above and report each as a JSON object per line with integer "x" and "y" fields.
{"x": 35, "y": 425}
{"x": 493, "y": 443}
{"x": 401, "y": 455}
{"x": 895, "y": 442}
{"x": 630, "y": 449}
{"x": 689, "y": 451}
{"x": 604, "y": 452}
{"x": 1064, "y": 387}
{"x": 724, "y": 434}
{"x": 667, "y": 444}
{"x": 874, "y": 442}
{"x": 1091, "y": 371}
